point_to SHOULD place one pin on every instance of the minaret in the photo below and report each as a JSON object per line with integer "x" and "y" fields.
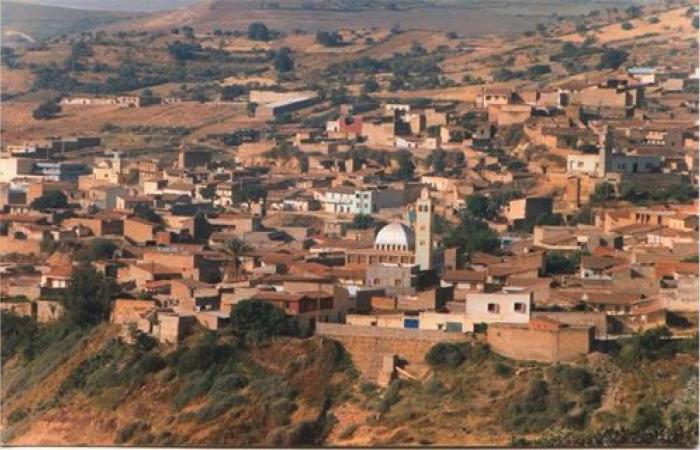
{"x": 424, "y": 231}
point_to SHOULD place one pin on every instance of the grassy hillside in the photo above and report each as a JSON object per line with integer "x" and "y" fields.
{"x": 42, "y": 22}
{"x": 66, "y": 386}
{"x": 468, "y": 18}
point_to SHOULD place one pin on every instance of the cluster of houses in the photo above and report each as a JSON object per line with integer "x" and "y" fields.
{"x": 634, "y": 265}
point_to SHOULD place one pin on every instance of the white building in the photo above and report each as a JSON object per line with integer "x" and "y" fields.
{"x": 512, "y": 305}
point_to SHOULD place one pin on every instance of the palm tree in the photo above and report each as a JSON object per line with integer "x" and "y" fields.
{"x": 235, "y": 248}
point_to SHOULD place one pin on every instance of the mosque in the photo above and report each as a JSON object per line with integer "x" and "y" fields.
{"x": 397, "y": 243}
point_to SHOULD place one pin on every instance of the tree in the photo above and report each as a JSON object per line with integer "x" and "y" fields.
{"x": 208, "y": 192}
{"x": 329, "y": 38}
{"x": 47, "y": 110}
{"x": 603, "y": 192}
{"x": 627, "y": 26}
{"x": 406, "y": 167}
{"x": 234, "y": 249}
{"x": 283, "y": 60}
{"x": 556, "y": 263}
{"x": 257, "y": 321}
{"x": 258, "y": 31}
{"x": 50, "y": 200}
{"x": 445, "y": 354}
{"x": 612, "y": 58}
{"x": 249, "y": 193}
{"x": 363, "y": 221}
{"x": 188, "y": 31}
{"x": 438, "y": 161}
{"x": 470, "y": 236}
{"x": 18, "y": 333}
{"x": 370, "y": 85}
{"x": 250, "y": 108}
{"x": 97, "y": 249}
{"x": 549, "y": 219}
{"x": 88, "y": 298}
{"x": 183, "y": 51}
{"x": 232, "y": 92}
{"x": 538, "y": 70}
{"x": 479, "y": 207}
{"x": 144, "y": 212}
{"x": 569, "y": 50}
{"x": 634, "y": 11}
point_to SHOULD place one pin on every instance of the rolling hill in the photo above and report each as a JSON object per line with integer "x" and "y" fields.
{"x": 465, "y": 17}
{"x": 38, "y": 22}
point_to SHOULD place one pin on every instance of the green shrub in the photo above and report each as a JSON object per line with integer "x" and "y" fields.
{"x": 368, "y": 389}
{"x": 391, "y": 396}
{"x": 446, "y": 354}
{"x": 650, "y": 345}
{"x": 258, "y": 321}
{"x": 79, "y": 378}
{"x": 217, "y": 407}
{"x": 280, "y": 410}
{"x": 434, "y": 387}
{"x": 229, "y": 382}
{"x": 647, "y": 416}
{"x": 503, "y": 370}
{"x": 199, "y": 384}
{"x": 17, "y": 415}
{"x": 573, "y": 378}
{"x": 125, "y": 434}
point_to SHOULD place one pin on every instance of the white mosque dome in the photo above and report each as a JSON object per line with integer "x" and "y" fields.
{"x": 395, "y": 236}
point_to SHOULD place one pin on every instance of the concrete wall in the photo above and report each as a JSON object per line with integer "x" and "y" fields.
{"x": 24, "y": 246}
{"x": 48, "y": 311}
{"x": 598, "y": 320}
{"x": 367, "y": 345}
{"x": 525, "y": 343}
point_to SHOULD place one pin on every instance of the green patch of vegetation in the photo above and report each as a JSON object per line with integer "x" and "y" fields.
{"x": 558, "y": 263}
{"x": 445, "y": 354}
{"x": 126, "y": 433}
{"x": 559, "y": 402}
{"x": 50, "y": 200}
{"x": 652, "y": 345}
{"x": 88, "y": 298}
{"x": 256, "y": 321}
{"x": 469, "y": 236}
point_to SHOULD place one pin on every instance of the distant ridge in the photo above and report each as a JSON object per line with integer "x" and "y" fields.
{"x": 466, "y": 17}
{"x": 41, "y": 22}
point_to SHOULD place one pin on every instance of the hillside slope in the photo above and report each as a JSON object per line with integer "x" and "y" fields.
{"x": 469, "y": 18}
{"x": 40, "y": 22}
{"x": 69, "y": 387}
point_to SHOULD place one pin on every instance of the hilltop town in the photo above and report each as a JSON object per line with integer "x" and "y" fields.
{"x": 352, "y": 236}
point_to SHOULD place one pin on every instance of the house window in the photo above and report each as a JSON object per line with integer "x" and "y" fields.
{"x": 376, "y": 281}
{"x": 519, "y": 307}
{"x": 397, "y": 283}
{"x": 493, "y": 308}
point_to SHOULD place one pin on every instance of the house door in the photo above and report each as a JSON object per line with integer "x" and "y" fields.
{"x": 411, "y": 323}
